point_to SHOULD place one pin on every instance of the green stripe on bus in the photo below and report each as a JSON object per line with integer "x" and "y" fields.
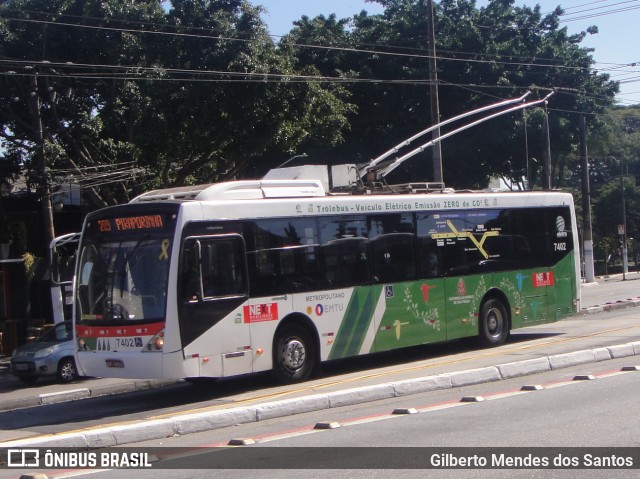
{"x": 355, "y": 324}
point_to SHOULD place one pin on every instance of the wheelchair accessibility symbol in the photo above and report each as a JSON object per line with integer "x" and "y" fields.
{"x": 388, "y": 291}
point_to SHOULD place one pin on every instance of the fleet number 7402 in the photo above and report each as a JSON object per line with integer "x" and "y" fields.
{"x": 560, "y": 246}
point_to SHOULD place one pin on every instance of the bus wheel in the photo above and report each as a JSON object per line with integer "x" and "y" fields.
{"x": 294, "y": 355}
{"x": 494, "y": 323}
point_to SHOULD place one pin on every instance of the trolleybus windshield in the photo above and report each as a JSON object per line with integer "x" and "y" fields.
{"x": 123, "y": 269}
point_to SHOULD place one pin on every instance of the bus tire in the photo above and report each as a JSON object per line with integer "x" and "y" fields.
{"x": 294, "y": 354}
{"x": 494, "y": 323}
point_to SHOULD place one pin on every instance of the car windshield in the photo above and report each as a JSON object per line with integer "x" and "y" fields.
{"x": 123, "y": 280}
{"x": 59, "y": 333}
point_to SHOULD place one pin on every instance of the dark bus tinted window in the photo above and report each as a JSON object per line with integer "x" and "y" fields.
{"x": 560, "y": 235}
{"x": 288, "y": 255}
{"x": 213, "y": 267}
{"x": 441, "y": 244}
{"x": 283, "y": 256}
{"x": 392, "y": 247}
{"x": 478, "y": 241}
{"x": 343, "y": 250}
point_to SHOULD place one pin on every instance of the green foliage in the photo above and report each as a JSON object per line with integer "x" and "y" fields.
{"x": 484, "y": 54}
{"x": 615, "y": 151}
{"x": 607, "y": 210}
{"x": 199, "y": 92}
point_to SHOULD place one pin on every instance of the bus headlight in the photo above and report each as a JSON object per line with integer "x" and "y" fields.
{"x": 156, "y": 343}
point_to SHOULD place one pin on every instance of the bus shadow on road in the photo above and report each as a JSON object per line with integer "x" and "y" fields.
{"x": 424, "y": 352}
{"x": 521, "y": 337}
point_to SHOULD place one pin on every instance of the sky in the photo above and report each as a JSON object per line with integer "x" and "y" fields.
{"x": 616, "y": 45}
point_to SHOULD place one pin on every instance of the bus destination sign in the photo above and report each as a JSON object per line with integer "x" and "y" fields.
{"x": 130, "y": 223}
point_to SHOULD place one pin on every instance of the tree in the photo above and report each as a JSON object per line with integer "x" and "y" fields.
{"x": 517, "y": 49}
{"x": 250, "y": 113}
{"x": 484, "y": 54}
{"x": 71, "y": 87}
{"x": 195, "y": 93}
{"x": 615, "y": 151}
{"x": 607, "y": 211}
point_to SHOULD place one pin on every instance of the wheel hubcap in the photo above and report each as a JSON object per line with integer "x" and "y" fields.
{"x": 67, "y": 372}
{"x": 294, "y": 354}
{"x": 494, "y": 323}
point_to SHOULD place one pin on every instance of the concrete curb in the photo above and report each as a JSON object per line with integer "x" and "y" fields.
{"x": 200, "y": 422}
{"x": 622, "y": 304}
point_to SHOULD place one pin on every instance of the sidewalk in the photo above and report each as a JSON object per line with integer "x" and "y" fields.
{"x": 618, "y": 295}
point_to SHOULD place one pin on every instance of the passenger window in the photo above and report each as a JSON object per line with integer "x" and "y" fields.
{"x": 344, "y": 251}
{"x": 392, "y": 248}
{"x": 213, "y": 268}
{"x": 282, "y": 256}
{"x": 429, "y": 261}
{"x": 441, "y": 245}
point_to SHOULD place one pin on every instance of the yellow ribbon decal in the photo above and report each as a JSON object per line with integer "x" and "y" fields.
{"x": 165, "y": 250}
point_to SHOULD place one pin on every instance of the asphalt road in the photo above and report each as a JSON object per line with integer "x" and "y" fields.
{"x": 567, "y": 418}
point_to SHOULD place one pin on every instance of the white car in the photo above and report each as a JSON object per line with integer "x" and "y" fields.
{"x": 52, "y": 354}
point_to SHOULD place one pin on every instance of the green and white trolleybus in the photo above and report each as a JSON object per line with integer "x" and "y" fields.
{"x": 247, "y": 276}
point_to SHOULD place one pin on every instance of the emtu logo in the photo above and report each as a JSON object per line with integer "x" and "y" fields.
{"x": 561, "y": 227}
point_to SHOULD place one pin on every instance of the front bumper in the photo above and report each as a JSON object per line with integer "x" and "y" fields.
{"x": 37, "y": 367}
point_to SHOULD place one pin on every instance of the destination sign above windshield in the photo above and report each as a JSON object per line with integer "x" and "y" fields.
{"x": 130, "y": 224}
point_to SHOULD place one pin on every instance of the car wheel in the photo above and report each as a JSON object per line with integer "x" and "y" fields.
{"x": 67, "y": 371}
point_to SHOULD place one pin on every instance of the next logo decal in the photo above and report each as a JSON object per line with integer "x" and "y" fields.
{"x": 256, "y": 313}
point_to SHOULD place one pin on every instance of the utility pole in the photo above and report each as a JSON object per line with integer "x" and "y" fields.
{"x": 587, "y": 236}
{"x": 625, "y": 262}
{"x": 546, "y": 167}
{"x": 433, "y": 93}
{"x": 526, "y": 151}
{"x": 44, "y": 191}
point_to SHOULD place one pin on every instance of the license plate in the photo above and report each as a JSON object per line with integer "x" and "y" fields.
{"x": 21, "y": 367}
{"x": 114, "y": 363}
